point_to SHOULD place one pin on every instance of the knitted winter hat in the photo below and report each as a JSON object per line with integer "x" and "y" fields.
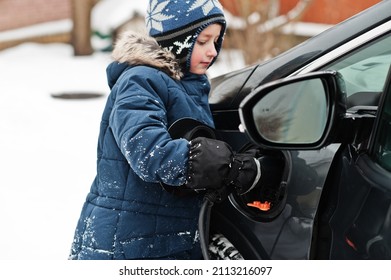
{"x": 176, "y": 24}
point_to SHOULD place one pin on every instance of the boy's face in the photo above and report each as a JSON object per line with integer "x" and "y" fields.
{"x": 204, "y": 50}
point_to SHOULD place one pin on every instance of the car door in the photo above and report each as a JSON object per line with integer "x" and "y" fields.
{"x": 354, "y": 217}
{"x": 357, "y": 207}
{"x": 355, "y": 199}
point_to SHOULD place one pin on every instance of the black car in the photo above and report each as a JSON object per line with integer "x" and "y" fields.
{"x": 325, "y": 107}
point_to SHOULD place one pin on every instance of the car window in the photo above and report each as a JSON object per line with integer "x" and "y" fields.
{"x": 383, "y": 139}
{"x": 365, "y": 71}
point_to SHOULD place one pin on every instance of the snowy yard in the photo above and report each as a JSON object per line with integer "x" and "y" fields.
{"x": 48, "y": 145}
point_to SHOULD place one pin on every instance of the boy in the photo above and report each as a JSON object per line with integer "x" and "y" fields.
{"x": 156, "y": 81}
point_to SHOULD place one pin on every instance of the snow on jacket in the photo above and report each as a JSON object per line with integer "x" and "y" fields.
{"x": 127, "y": 214}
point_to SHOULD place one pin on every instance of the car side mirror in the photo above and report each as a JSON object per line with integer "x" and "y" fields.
{"x": 295, "y": 113}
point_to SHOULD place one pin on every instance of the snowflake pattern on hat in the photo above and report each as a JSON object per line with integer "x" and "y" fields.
{"x": 207, "y": 5}
{"x": 155, "y": 15}
{"x": 176, "y": 24}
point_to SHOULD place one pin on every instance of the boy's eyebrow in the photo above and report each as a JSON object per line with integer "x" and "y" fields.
{"x": 208, "y": 35}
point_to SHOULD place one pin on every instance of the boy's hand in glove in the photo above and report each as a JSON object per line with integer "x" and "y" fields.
{"x": 213, "y": 165}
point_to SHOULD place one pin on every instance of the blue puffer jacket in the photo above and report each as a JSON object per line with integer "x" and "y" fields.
{"x": 127, "y": 214}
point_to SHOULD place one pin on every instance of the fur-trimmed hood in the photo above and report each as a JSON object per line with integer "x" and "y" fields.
{"x": 139, "y": 49}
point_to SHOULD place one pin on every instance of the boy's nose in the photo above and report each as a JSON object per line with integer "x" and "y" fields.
{"x": 212, "y": 51}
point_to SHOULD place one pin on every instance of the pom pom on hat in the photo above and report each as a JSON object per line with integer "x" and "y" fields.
{"x": 176, "y": 24}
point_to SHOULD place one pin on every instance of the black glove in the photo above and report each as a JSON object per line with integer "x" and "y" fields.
{"x": 213, "y": 165}
{"x": 187, "y": 128}
{"x": 209, "y": 163}
{"x": 245, "y": 171}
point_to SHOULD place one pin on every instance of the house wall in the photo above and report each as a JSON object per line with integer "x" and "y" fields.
{"x": 21, "y": 13}
{"x": 329, "y": 11}
{"x": 320, "y": 11}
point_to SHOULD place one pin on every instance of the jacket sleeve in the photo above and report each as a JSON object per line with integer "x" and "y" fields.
{"x": 139, "y": 123}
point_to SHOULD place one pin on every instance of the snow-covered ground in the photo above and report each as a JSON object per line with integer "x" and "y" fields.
{"x": 48, "y": 145}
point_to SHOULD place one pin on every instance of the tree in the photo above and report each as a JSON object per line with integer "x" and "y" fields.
{"x": 258, "y": 25}
{"x": 81, "y": 31}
